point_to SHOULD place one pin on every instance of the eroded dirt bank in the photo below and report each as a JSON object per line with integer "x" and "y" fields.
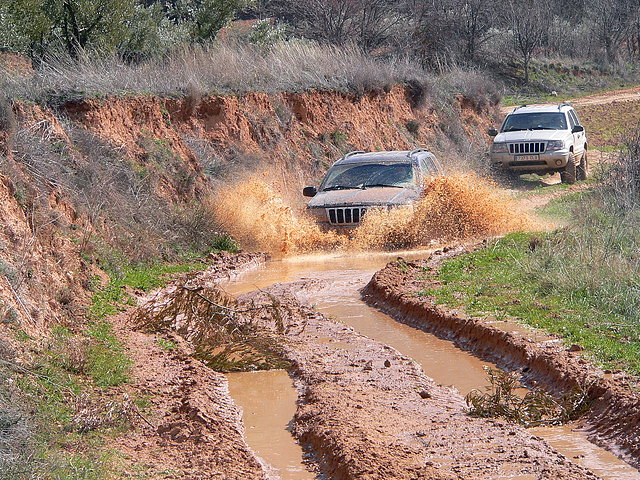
{"x": 368, "y": 412}
{"x": 614, "y": 417}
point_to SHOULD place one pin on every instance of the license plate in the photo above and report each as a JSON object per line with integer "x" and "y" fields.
{"x": 526, "y": 158}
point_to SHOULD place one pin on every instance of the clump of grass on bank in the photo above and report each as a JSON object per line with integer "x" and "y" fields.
{"x": 113, "y": 297}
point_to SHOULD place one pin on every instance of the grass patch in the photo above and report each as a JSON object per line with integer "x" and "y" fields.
{"x": 70, "y": 423}
{"x": 563, "y": 207}
{"x": 535, "y": 280}
{"x": 114, "y": 298}
{"x": 107, "y": 363}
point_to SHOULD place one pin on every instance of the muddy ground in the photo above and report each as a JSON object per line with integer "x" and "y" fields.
{"x": 614, "y": 416}
{"x": 191, "y": 428}
{"x": 365, "y": 411}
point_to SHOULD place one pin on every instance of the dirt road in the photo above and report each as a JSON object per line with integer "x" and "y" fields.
{"x": 623, "y": 95}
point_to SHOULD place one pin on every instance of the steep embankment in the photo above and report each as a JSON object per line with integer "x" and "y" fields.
{"x": 94, "y": 183}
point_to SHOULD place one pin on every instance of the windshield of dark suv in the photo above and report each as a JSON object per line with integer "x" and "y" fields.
{"x": 535, "y": 121}
{"x": 365, "y": 175}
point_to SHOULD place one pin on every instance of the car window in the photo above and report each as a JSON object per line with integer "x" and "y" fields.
{"x": 360, "y": 175}
{"x": 575, "y": 116}
{"x": 535, "y": 121}
{"x": 572, "y": 120}
{"x": 429, "y": 167}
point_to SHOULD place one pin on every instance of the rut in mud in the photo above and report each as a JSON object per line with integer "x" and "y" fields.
{"x": 367, "y": 410}
{"x": 335, "y": 293}
{"x": 454, "y": 207}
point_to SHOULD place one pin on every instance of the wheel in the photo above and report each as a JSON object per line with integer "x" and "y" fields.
{"x": 568, "y": 174}
{"x": 582, "y": 170}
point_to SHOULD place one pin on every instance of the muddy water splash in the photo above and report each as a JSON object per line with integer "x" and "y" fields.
{"x": 455, "y": 207}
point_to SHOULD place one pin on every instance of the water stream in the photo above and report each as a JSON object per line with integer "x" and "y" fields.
{"x": 268, "y": 398}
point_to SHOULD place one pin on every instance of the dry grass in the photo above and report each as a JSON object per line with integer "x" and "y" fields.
{"x": 293, "y": 66}
{"x": 225, "y": 336}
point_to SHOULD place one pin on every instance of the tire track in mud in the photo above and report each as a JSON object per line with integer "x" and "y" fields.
{"x": 614, "y": 418}
{"x": 369, "y": 412}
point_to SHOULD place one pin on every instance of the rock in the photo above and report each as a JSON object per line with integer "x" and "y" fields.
{"x": 575, "y": 348}
{"x": 424, "y": 394}
{"x": 387, "y": 363}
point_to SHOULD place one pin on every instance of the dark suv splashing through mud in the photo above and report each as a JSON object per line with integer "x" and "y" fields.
{"x": 360, "y": 181}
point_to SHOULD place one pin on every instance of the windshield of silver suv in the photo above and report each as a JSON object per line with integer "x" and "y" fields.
{"x": 535, "y": 121}
{"x": 364, "y": 175}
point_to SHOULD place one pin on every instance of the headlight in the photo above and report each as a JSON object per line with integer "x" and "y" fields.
{"x": 500, "y": 148}
{"x": 553, "y": 145}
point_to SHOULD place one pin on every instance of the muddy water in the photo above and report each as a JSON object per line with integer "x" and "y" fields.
{"x": 268, "y": 403}
{"x": 439, "y": 359}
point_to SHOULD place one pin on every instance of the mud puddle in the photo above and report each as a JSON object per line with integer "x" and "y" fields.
{"x": 440, "y": 359}
{"x": 268, "y": 403}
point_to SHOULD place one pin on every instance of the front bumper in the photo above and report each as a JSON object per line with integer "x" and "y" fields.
{"x": 548, "y": 161}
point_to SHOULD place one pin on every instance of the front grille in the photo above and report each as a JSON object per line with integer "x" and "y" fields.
{"x": 346, "y": 215}
{"x": 529, "y": 147}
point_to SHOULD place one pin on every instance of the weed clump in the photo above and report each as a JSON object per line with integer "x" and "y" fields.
{"x": 226, "y": 337}
{"x": 535, "y": 407}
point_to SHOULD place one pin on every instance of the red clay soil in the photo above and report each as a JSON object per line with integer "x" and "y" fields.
{"x": 193, "y": 429}
{"x": 368, "y": 412}
{"x": 614, "y": 418}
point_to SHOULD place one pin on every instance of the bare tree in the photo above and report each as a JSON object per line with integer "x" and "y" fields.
{"x": 529, "y": 24}
{"x": 612, "y": 20}
{"x": 368, "y": 23}
{"x": 474, "y": 19}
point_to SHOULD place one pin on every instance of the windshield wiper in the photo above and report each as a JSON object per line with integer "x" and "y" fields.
{"x": 380, "y": 185}
{"x": 340, "y": 187}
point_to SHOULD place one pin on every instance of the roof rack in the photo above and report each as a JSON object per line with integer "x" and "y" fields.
{"x": 417, "y": 150}
{"x": 564, "y": 104}
{"x": 520, "y": 106}
{"x": 355, "y": 152}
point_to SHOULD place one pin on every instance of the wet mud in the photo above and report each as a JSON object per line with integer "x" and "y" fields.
{"x": 369, "y": 412}
{"x": 614, "y": 417}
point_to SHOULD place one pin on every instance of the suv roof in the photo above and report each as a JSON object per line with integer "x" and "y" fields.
{"x": 400, "y": 156}
{"x": 562, "y": 107}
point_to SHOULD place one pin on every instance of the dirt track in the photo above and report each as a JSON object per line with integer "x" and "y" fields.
{"x": 623, "y": 95}
{"x": 366, "y": 411}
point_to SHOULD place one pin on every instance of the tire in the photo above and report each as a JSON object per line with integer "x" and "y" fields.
{"x": 568, "y": 174}
{"x": 582, "y": 170}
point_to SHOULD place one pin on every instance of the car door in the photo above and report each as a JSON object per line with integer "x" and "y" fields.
{"x": 579, "y": 138}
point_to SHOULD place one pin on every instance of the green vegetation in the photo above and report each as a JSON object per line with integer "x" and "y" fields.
{"x": 545, "y": 281}
{"x": 65, "y": 437}
{"x": 113, "y": 298}
{"x": 107, "y": 363}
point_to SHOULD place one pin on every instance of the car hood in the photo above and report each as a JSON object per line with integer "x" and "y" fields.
{"x": 531, "y": 136}
{"x": 367, "y": 196}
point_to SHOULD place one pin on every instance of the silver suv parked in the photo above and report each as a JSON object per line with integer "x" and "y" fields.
{"x": 542, "y": 139}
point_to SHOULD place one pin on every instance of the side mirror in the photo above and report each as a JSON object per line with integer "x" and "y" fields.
{"x": 492, "y": 132}
{"x": 577, "y": 128}
{"x": 309, "y": 191}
